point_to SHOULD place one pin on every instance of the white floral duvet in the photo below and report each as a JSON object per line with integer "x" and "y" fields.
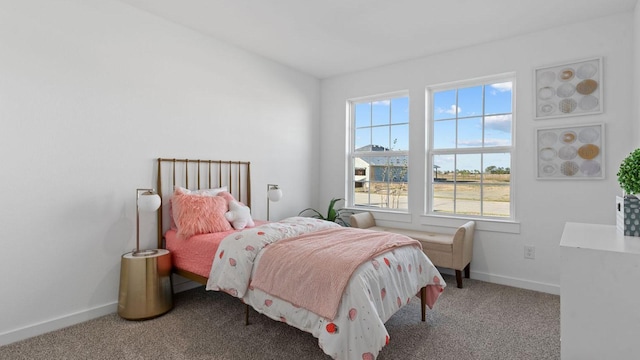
{"x": 377, "y": 289}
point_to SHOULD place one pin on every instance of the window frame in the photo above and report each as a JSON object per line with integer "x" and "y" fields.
{"x": 431, "y": 152}
{"x": 352, "y": 154}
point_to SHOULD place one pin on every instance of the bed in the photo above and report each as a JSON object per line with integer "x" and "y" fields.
{"x": 342, "y": 294}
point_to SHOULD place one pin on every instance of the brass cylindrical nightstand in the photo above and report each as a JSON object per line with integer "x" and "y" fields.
{"x": 145, "y": 285}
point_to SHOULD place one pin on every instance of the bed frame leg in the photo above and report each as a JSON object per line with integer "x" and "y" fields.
{"x": 423, "y": 302}
{"x": 246, "y": 314}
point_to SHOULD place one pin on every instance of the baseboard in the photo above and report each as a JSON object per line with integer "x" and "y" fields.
{"x": 508, "y": 281}
{"x": 57, "y": 323}
{"x": 61, "y": 322}
{"x": 515, "y": 282}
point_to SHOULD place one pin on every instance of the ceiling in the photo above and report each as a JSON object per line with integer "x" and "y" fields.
{"x": 325, "y": 38}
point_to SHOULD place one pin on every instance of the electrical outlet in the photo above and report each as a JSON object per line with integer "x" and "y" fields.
{"x": 529, "y": 252}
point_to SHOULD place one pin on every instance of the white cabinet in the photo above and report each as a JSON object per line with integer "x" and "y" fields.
{"x": 599, "y": 293}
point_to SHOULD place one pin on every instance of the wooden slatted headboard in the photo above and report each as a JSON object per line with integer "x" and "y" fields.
{"x": 197, "y": 174}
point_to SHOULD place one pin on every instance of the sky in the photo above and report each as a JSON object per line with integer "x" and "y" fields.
{"x": 393, "y": 113}
{"x": 386, "y": 123}
{"x": 467, "y": 109}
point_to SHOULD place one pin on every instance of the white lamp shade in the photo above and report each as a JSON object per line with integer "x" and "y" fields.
{"x": 275, "y": 194}
{"x": 149, "y": 202}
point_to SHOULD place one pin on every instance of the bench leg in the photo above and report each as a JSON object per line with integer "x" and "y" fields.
{"x": 459, "y": 278}
{"x": 467, "y": 274}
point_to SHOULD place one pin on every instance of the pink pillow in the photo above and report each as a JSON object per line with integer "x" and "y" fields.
{"x": 226, "y": 196}
{"x": 229, "y": 197}
{"x": 195, "y": 214}
{"x": 182, "y": 190}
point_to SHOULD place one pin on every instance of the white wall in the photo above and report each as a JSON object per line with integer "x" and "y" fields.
{"x": 542, "y": 207}
{"x": 91, "y": 92}
{"x": 635, "y": 118}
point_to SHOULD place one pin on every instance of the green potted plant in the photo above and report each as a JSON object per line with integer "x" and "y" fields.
{"x": 628, "y": 206}
{"x": 333, "y": 214}
{"x": 629, "y": 174}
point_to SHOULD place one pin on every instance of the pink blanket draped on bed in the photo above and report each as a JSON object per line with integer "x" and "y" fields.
{"x": 312, "y": 270}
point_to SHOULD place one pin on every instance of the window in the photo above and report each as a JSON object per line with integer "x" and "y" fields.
{"x": 379, "y": 152}
{"x": 470, "y": 149}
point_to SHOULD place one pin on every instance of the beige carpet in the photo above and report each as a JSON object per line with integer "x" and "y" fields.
{"x": 481, "y": 321}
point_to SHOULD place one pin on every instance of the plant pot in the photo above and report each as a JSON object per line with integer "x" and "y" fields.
{"x": 628, "y": 215}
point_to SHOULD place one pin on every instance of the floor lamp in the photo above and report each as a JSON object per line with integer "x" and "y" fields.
{"x": 273, "y": 194}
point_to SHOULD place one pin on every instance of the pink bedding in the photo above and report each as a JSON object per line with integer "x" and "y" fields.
{"x": 377, "y": 289}
{"x": 321, "y": 263}
{"x": 196, "y": 253}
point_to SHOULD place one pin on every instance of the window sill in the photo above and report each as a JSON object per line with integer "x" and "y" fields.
{"x": 482, "y": 224}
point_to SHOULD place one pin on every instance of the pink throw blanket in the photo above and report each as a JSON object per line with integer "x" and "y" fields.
{"x": 312, "y": 270}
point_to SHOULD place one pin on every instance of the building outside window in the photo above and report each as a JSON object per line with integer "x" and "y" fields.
{"x": 379, "y": 152}
{"x": 470, "y": 149}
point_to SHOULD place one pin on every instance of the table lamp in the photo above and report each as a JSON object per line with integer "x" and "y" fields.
{"x": 147, "y": 200}
{"x": 273, "y": 194}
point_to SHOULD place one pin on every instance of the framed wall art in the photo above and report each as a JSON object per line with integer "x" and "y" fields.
{"x": 570, "y": 152}
{"x": 570, "y": 89}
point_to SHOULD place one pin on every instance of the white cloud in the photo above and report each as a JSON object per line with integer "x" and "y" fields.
{"x": 498, "y": 122}
{"x": 382, "y": 102}
{"x": 470, "y": 143}
{"x": 487, "y": 142}
{"x": 497, "y": 142}
{"x": 502, "y": 87}
{"x": 451, "y": 110}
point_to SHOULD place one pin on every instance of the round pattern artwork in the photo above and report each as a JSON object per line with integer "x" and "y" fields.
{"x": 569, "y": 168}
{"x": 547, "y": 108}
{"x": 588, "y": 102}
{"x": 588, "y": 135}
{"x": 567, "y": 105}
{"x": 574, "y": 152}
{"x": 565, "y": 90}
{"x": 568, "y": 136}
{"x": 586, "y": 87}
{"x": 548, "y": 153}
{"x": 546, "y": 78}
{"x": 567, "y": 152}
{"x": 586, "y": 71}
{"x": 548, "y": 169}
{"x": 590, "y": 168}
{"x": 569, "y": 89}
{"x": 546, "y": 93}
{"x": 588, "y": 151}
{"x": 566, "y": 74}
{"x": 547, "y": 138}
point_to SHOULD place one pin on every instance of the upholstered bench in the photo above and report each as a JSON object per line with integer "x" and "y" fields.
{"x": 453, "y": 251}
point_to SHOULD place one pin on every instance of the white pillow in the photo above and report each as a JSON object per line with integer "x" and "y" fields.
{"x": 239, "y": 215}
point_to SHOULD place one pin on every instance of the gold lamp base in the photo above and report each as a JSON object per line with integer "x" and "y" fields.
{"x": 145, "y": 285}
